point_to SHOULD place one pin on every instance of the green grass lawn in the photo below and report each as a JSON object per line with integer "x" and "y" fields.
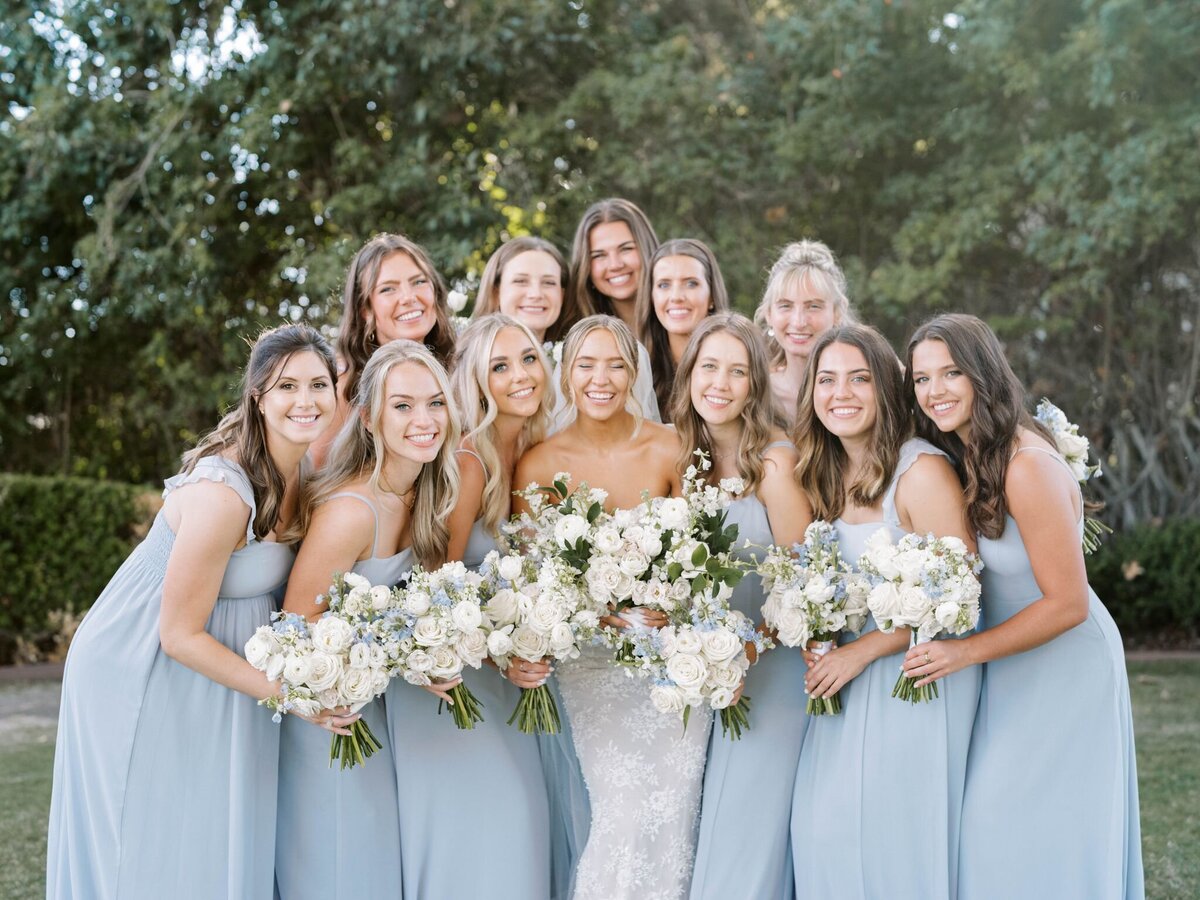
{"x": 1166, "y": 705}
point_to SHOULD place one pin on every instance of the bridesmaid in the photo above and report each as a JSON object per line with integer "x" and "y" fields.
{"x": 879, "y": 786}
{"x": 392, "y": 292}
{"x": 805, "y": 297}
{"x": 612, "y": 243}
{"x": 525, "y": 279}
{"x": 165, "y": 769}
{"x": 339, "y": 831}
{"x": 1051, "y": 806}
{"x": 723, "y": 406}
{"x": 684, "y": 286}
{"x": 643, "y": 778}
{"x": 500, "y": 384}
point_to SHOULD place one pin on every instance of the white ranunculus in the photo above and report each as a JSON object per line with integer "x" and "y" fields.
{"x": 324, "y": 671}
{"x": 509, "y": 567}
{"x": 953, "y": 544}
{"x": 1072, "y": 445}
{"x": 466, "y": 615}
{"x": 456, "y": 300}
{"x": 818, "y": 591}
{"x": 529, "y": 644}
{"x": 946, "y": 614}
{"x": 354, "y": 581}
{"x": 273, "y": 668}
{"x": 416, "y": 603}
{"x": 331, "y": 634}
{"x": 569, "y": 529}
{"x": 720, "y": 645}
{"x": 673, "y": 513}
{"x": 412, "y": 676}
{"x": 687, "y": 671}
{"x": 429, "y": 631}
{"x": 302, "y": 706}
{"x": 911, "y": 564}
{"x": 260, "y": 647}
{"x": 667, "y": 698}
{"x": 607, "y": 539}
{"x": 358, "y": 685}
{"x": 296, "y": 668}
{"x": 446, "y": 664}
{"x": 720, "y": 698}
{"x": 500, "y": 642}
{"x": 472, "y": 646}
{"x": 381, "y": 597}
{"x": 360, "y": 656}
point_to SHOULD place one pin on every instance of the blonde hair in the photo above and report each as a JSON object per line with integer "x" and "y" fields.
{"x": 487, "y": 301}
{"x": 242, "y": 429}
{"x": 469, "y": 380}
{"x": 802, "y": 261}
{"x": 758, "y": 417}
{"x": 626, "y": 349}
{"x": 359, "y": 448}
{"x": 583, "y": 299}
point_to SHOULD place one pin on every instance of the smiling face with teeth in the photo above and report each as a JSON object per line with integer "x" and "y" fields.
{"x": 844, "y": 392}
{"x": 680, "y": 293}
{"x": 599, "y": 377}
{"x": 531, "y": 290}
{"x": 614, "y": 261}
{"x": 943, "y": 391}
{"x": 800, "y": 315}
{"x": 415, "y": 415}
{"x": 720, "y": 382}
{"x": 402, "y": 302}
{"x": 516, "y": 379}
{"x": 298, "y": 406}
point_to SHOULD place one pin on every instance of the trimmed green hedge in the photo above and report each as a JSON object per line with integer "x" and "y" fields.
{"x": 1149, "y": 578}
{"x": 61, "y": 539}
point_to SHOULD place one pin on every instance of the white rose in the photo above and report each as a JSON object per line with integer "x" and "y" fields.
{"x": 884, "y": 602}
{"x": 466, "y": 615}
{"x": 302, "y": 706}
{"x": 416, "y": 603}
{"x": 528, "y": 644}
{"x": 472, "y": 646}
{"x": 500, "y": 643}
{"x": 818, "y": 592}
{"x": 650, "y": 544}
{"x": 946, "y": 614}
{"x": 792, "y": 626}
{"x": 324, "y": 671}
{"x": 260, "y": 646}
{"x": 720, "y": 698}
{"x": 429, "y": 631}
{"x": 358, "y": 686}
{"x": 913, "y": 604}
{"x": 673, "y": 513}
{"x": 419, "y": 661}
{"x": 274, "y": 666}
{"x": 607, "y": 539}
{"x": 728, "y": 677}
{"x": 546, "y": 614}
{"x": 569, "y": 529}
{"x": 634, "y": 564}
{"x": 418, "y": 678}
{"x": 667, "y": 698}
{"x": 687, "y": 671}
{"x": 331, "y": 634}
{"x": 296, "y": 669}
{"x": 683, "y": 555}
{"x": 329, "y": 698}
{"x": 688, "y": 641}
{"x": 562, "y": 639}
{"x": 381, "y": 680}
{"x": 360, "y": 656}
{"x": 456, "y": 300}
{"x": 1072, "y": 445}
{"x": 509, "y": 568}
{"x": 652, "y": 593}
{"x": 381, "y": 597}
{"x": 446, "y": 664}
{"x": 503, "y": 606}
{"x": 720, "y": 645}
{"x": 354, "y": 582}
{"x": 666, "y": 641}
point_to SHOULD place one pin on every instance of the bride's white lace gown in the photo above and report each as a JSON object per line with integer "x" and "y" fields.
{"x": 644, "y": 777}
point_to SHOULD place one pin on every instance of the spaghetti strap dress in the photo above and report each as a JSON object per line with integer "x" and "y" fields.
{"x": 879, "y": 789}
{"x": 1051, "y": 807}
{"x": 338, "y": 833}
{"x": 164, "y": 780}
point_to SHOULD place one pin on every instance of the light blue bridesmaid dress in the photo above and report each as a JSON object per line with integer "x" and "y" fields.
{"x": 744, "y": 848}
{"x": 474, "y": 820}
{"x": 164, "y": 780}
{"x": 1051, "y": 807}
{"x": 338, "y": 833}
{"x": 878, "y": 794}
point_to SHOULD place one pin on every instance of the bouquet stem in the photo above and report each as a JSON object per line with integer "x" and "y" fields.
{"x": 906, "y": 689}
{"x": 466, "y": 709}
{"x": 536, "y": 712}
{"x": 735, "y": 719}
{"x": 355, "y": 748}
{"x": 823, "y": 706}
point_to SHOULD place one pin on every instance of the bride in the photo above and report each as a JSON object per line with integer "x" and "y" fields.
{"x": 643, "y": 774}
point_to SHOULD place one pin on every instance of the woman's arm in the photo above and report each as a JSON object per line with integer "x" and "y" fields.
{"x": 472, "y": 480}
{"x": 788, "y": 510}
{"x": 1041, "y": 498}
{"x": 341, "y": 533}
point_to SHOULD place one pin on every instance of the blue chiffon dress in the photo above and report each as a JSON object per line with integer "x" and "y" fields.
{"x": 164, "y": 780}
{"x": 474, "y": 820}
{"x": 1051, "y": 807}
{"x": 744, "y": 848}
{"x": 338, "y": 833}
{"x": 879, "y": 788}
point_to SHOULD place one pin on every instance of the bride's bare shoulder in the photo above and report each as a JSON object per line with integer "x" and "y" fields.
{"x": 660, "y": 438}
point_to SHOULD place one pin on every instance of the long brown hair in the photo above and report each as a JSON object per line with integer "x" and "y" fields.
{"x": 487, "y": 301}
{"x": 820, "y": 470}
{"x": 651, "y": 332}
{"x": 242, "y": 431}
{"x": 356, "y": 334}
{"x": 582, "y": 298}
{"x": 997, "y": 411}
{"x": 757, "y": 415}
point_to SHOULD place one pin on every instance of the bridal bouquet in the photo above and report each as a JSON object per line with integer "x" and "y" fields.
{"x": 928, "y": 584}
{"x": 535, "y": 610}
{"x": 561, "y": 522}
{"x": 812, "y": 597}
{"x": 335, "y": 661}
{"x": 434, "y": 627}
{"x": 1074, "y": 448}
{"x": 698, "y": 663}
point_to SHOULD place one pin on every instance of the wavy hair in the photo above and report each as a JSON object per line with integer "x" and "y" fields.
{"x": 244, "y": 432}
{"x": 583, "y": 299}
{"x": 757, "y": 419}
{"x": 469, "y": 380}
{"x": 359, "y": 449}
{"x": 801, "y": 262}
{"x": 651, "y": 332}
{"x": 487, "y": 301}
{"x": 626, "y": 349}
{"x": 820, "y": 470}
{"x": 997, "y": 411}
{"x": 357, "y": 340}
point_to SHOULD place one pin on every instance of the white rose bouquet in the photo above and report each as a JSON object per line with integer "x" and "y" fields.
{"x": 535, "y": 610}
{"x": 561, "y": 521}
{"x": 335, "y": 661}
{"x": 1075, "y": 448}
{"x": 812, "y": 597}
{"x": 435, "y": 627}
{"x": 928, "y": 584}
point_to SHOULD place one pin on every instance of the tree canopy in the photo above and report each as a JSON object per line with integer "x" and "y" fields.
{"x": 176, "y": 174}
